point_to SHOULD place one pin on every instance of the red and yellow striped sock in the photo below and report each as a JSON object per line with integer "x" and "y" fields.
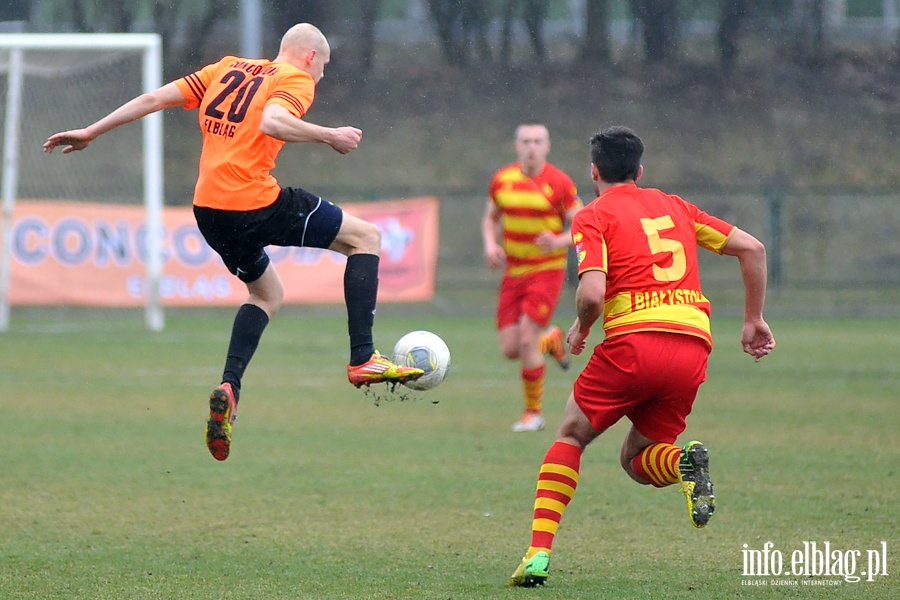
{"x": 545, "y": 344}
{"x": 533, "y": 384}
{"x": 658, "y": 464}
{"x": 556, "y": 485}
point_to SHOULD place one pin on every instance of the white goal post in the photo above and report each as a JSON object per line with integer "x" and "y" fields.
{"x": 14, "y": 49}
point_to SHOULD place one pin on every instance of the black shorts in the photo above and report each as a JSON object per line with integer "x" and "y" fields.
{"x": 296, "y": 218}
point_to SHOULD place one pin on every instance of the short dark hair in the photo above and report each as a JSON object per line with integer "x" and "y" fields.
{"x": 617, "y": 152}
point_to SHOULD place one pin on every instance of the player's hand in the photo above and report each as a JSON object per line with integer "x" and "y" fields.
{"x": 547, "y": 241}
{"x": 757, "y": 339}
{"x": 495, "y": 257}
{"x": 77, "y": 139}
{"x": 577, "y": 338}
{"x": 345, "y": 139}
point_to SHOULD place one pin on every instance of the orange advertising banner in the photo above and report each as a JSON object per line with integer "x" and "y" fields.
{"x": 91, "y": 254}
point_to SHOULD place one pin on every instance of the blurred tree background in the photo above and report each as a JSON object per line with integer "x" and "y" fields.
{"x": 729, "y": 92}
{"x": 780, "y": 115}
{"x": 467, "y": 31}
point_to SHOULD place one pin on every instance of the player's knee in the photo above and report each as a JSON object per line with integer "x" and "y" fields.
{"x": 357, "y": 236}
{"x": 268, "y": 297}
{"x": 276, "y": 303}
{"x": 510, "y": 351}
{"x": 529, "y": 341}
{"x": 270, "y": 305}
{"x": 369, "y": 239}
{"x": 529, "y": 346}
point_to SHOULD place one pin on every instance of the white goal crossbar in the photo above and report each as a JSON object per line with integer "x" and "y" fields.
{"x": 151, "y": 48}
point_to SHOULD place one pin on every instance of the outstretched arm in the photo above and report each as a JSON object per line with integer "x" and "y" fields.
{"x": 279, "y": 123}
{"x": 167, "y": 96}
{"x": 756, "y": 337}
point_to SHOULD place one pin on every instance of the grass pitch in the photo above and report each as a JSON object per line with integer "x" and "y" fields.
{"x": 108, "y": 492}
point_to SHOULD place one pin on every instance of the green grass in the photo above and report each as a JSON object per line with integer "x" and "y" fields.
{"x": 107, "y": 490}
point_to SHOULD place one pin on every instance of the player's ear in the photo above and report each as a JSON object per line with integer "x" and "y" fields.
{"x": 595, "y": 173}
{"x": 640, "y": 172}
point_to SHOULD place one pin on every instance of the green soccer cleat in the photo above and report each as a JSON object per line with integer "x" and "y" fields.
{"x": 696, "y": 484}
{"x": 532, "y": 571}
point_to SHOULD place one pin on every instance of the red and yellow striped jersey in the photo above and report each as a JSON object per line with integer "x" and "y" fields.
{"x": 529, "y": 206}
{"x": 646, "y": 242}
{"x": 237, "y": 158}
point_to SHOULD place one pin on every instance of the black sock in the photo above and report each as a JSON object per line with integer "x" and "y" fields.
{"x": 360, "y": 293}
{"x": 249, "y": 324}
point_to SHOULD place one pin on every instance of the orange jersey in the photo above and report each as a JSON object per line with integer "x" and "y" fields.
{"x": 531, "y": 205}
{"x": 237, "y": 158}
{"x": 646, "y": 242}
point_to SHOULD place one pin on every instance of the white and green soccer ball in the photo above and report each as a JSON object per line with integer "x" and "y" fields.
{"x": 428, "y": 352}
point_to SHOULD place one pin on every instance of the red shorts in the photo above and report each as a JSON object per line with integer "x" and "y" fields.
{"x": 535, "y": 295}
{"x": 650, "y": 377}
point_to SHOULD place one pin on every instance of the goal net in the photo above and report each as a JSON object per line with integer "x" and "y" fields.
{"x": 57, "y": 82}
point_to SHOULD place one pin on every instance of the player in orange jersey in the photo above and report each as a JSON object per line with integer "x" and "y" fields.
{"x": 248, "y": 110}
{"x": 530, "y": 204}
{"x": 638, "y": 275}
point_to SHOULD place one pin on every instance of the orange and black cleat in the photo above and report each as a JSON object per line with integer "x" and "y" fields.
{"x": 378, "y": 369}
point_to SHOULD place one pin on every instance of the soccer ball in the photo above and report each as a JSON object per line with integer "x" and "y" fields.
{"x": 426, "y": 351}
